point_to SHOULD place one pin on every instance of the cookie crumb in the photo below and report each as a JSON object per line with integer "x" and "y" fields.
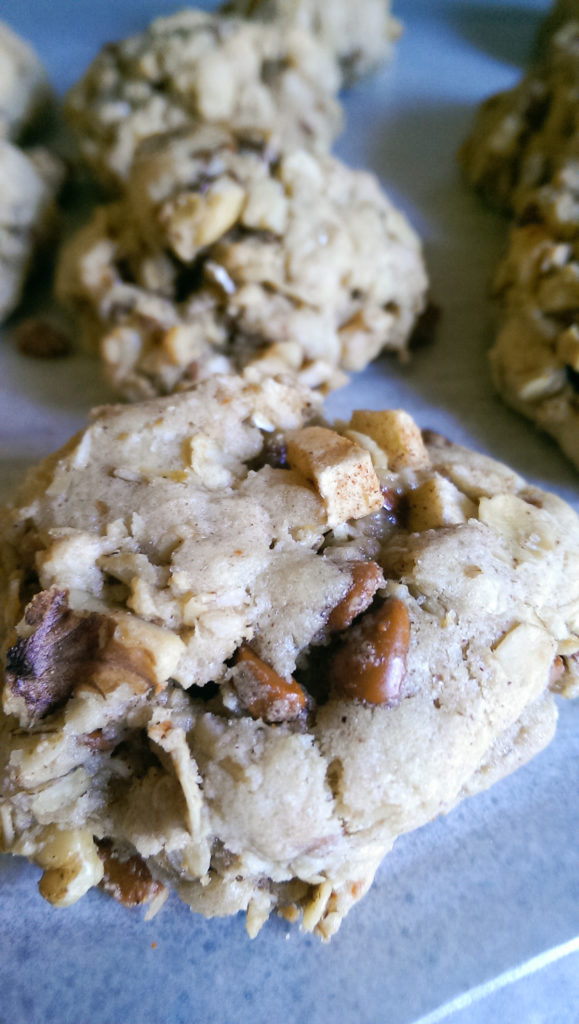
{"x": 39, "y": 339}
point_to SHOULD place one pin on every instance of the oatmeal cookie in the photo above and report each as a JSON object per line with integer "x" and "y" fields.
{"x": 360, "y": 35}
{"x": 524, "y": 136}
{"x": 265, "y": 82}
{"x": 244, "y": 651}
{"x": 222, "y": 255}
{"x": 24, "y": 89}
{"x": 29, "y": 181}
{"x": 535, "y": 358}
{"x": 524, "y": 156}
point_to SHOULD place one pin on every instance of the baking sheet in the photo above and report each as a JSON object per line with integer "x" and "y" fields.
{"x": 476, "y": 917}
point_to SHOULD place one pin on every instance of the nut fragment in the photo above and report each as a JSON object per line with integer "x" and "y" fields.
{"x": 263, "y": 692}
{"x": 71, "y": 865}
{"x": 341, "y": 470}
{"x": 193, "y": 221}
{"x": 557, "y": 672}
{"x": 371, "y": 663}
{"x": 367, "y": 577}
{"x": 41, "y": 340}
{"x": 128, "y": 881}
{"x": 63, "y": 651}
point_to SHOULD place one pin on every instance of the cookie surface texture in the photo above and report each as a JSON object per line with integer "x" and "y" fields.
{"x": 245, "y": 650}
{"x": 523, "y": 137}
{"x": 524, "y": 156}
{"x": 222, "y": 256}
{"x": 359, "y": 35}
{"x": 262, "y": 81}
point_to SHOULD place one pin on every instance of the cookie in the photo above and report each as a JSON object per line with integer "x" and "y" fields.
{"x": 524, "y": 136}
{"x": 359, "y": 35}
{"x": 24, "y": 89}
{"x": 223, "y": 255}
{"x": 535, "y": 358}
{"x": 561, "y": 12}
{"x": 268, "y": 83}
{"x": 29, "y": 181}
{"x": 244, "y": 650}
{"x": 524, "y": 156}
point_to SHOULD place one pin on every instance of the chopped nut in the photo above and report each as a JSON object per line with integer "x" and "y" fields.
{"x": 342, "y": 471}
{"x": 41, "y": 340}
{"x": 437, "y": 502}
{"x": 557, "y": 672}
{"x": 194, "y": 220}
{"x": 371, "y": 663}
{"x": 266, "y": 207}
{"x": 98, "y": 740}
{"x": 367, "y": 577}
{"x": 71, "y": 865}
{"x": 128, "y": 881}
{"x": 64, "y": 651}
{"x": 523, "y": 524}
{"x": 396, "y": 433}
{"x": 263, "y": 692}
{"x": 526, "y": 652}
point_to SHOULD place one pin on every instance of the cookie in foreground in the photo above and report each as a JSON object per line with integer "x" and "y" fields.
{"x": 245, "y": 650}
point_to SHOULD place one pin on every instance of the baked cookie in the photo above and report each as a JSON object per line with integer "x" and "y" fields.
{"x": 29, "y": 181}
{"x": 359, "y": 35}
{"x": 24, "y": 89}
{"x": 222, "y": 255}
{"x": 561, "y": 12}
{"x": 535, "y": 358}
{"x": 524, "y": 156}
{"x": 265, "y": 82}
{"x": 523, "y": 137}
{"x": 244, "y": 651}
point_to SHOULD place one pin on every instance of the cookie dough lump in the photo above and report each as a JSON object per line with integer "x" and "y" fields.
{"x": 223, "y": 255}
{"x": 244, "y": 650}
{"x": 359, "y": 35}
{"x": 266, "y": 82}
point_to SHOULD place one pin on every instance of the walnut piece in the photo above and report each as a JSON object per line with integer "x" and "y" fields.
{"x": 64, "y": 651}
{"x": 39, "y": 339}
{"x": 128, "y": 881}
